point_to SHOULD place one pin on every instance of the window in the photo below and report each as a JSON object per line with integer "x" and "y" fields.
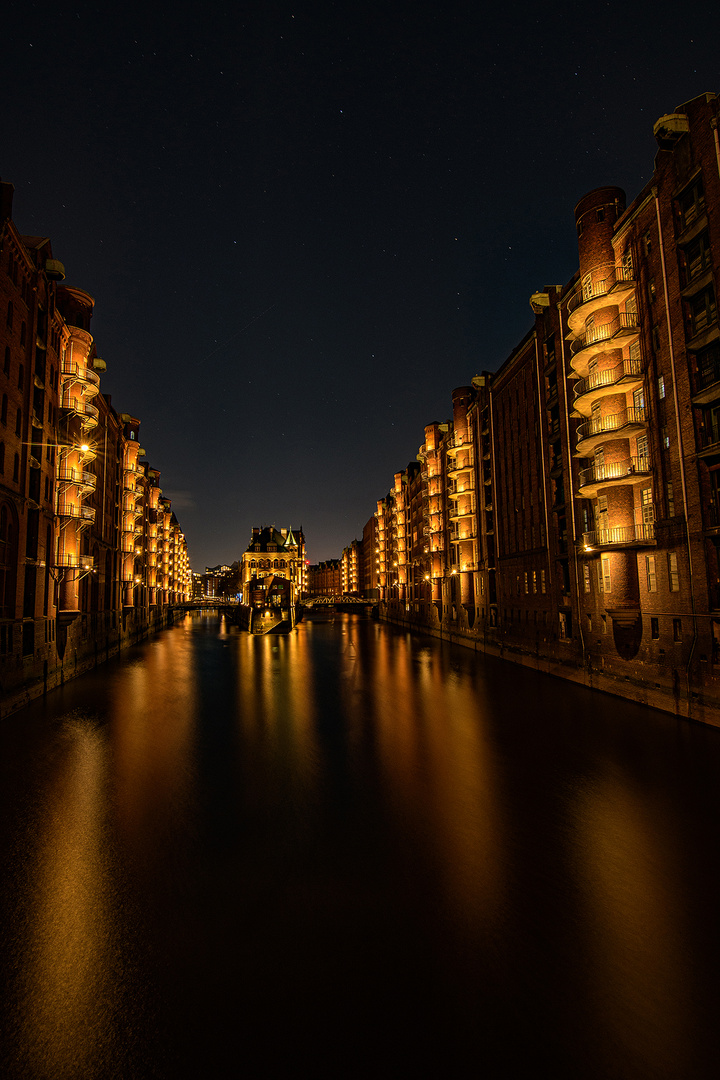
{"x": 642, "y": 453}
{"x": 542, "y": 581}
{"x": 652, "y": 292}
{"x": 534, "y": 581}
{"x": 647, "y": 241}
{"x": 656, "y": 337}
{"x": 673, "y": 574}
{"x": 526, "y": 583}
{"x": 587, "y": 290}
{"x": 6, "y": 365}
{"x": 586, "y": 577}
{"x": 605, "y": 583}
{"x": 654, "y": 628}
{"x": 670, "y": 499}
{"x": 650, "y": 573}
{"x": 9, "y": 319}
{"x": 691, "y": 204}
{"x": 677, "y": 629}
{"x": 604, "y": 623}
{"x": 646, "y": 504}
{"x": 701, "y": 311}
{"x": 600, "y": 213}
{"x": 635, "y": 351}
{"x": 708, "y": 365}
{"x": 639, "y": 400}
{"x": 661, "y": 386}
{"x": 694, "y": 259}
{"x": 665, "y": 437}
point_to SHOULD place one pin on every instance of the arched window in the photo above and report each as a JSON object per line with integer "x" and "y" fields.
{"x": 275, "y": 564}
{"x": 282, "y": 564}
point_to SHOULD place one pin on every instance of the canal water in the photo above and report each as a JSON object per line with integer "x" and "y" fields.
{"x": 352, "y": 852}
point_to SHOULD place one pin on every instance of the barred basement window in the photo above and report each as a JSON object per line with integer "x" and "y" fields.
{"x": 650, "y": 573}
{"x": 673, "y": 573}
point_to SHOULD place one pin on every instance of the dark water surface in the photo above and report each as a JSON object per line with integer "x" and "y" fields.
{"x": 349, "y": 852}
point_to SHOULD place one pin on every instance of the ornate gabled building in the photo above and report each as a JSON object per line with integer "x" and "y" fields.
{"x": 570, "y": 508}
{"x": 275, "y": 552}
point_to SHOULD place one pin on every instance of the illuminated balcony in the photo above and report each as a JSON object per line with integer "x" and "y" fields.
{"x": 459, "y": 488}
{"x": 89, "y": 414}
{"x": 469, "y": 532}
{"x": 67, "y": 474}
{"x": 587, "y": 300}
{"x": 458, "y": 514}
{"x": 633, "y": 471}
{"x": 621, "y": 536}
{"x": 456, "y": 467}
{"x": 74, "y": 560}
{"x": 622, "y": 424}
{"x": 612, "y": 335}
{"x": 628, "y": 374}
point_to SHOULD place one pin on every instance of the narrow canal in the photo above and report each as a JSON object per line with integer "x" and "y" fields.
{"x": 350, "y": 852}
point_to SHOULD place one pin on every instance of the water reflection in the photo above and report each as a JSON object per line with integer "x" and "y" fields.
{"x": 348, "y": 847}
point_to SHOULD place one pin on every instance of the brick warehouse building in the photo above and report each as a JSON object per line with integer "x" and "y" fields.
{"x": 568, "y": 515}
{"x": 91, "y": 554}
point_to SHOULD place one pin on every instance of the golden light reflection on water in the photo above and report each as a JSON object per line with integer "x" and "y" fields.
{"x": 629, "y": 868}
{"x": 153, "y": 732}
{"x": 69, "y": 991}
{"x": 276, "y": 702}
{"x": 440, "y": 768}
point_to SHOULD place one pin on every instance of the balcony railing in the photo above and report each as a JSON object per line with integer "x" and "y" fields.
{"x": 613, "y": 422}
{"x": 69, "y": 475}
{"x": 72, "y": 559}
{"x": 590, "y": 292}
{"x": 627, "y": 370}
{"x": 622, "y": 534}
{"x": 618, "y": 470}
{"x": 624, "y": 323}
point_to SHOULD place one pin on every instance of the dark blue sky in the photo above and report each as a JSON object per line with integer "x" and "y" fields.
{"x": 303, "y": 225}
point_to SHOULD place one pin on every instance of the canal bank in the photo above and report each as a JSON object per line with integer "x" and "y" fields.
{"x": 635, "y": 681}
{"x": 79, "y": 645}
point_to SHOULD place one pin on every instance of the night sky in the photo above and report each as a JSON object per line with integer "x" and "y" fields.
{"x": 303, "y": 225}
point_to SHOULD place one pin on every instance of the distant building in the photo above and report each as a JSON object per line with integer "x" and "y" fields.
{"x": 325, "y": 579}
{"x": 275, "y": 552}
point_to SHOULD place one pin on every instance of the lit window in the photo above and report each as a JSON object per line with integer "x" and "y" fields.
{"x": 650, "y": 573}
{"x": 673, "y": 574}
{"x": 661, "y": 386}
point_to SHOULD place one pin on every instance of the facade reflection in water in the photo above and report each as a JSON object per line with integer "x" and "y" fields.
{"x": 348, "y": 842}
